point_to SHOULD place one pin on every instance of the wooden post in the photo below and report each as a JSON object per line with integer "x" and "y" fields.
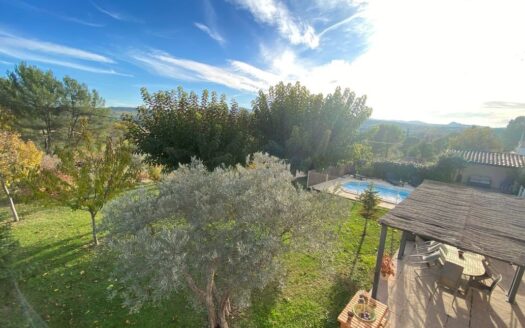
{"x": 379, "y": 259}
{"x": 402, "y": 245}
{"x": 513, "y": 290}
{"x": 308, "y": 180}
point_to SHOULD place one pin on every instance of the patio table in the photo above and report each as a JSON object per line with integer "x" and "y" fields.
{"x": 381, "y": 312}
{"x": 472, "y": 263}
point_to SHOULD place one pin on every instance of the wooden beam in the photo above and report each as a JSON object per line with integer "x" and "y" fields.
{"x": 513, "y": 290}
{"x": 402, "y": 245}
{"x": 379, "y": 259}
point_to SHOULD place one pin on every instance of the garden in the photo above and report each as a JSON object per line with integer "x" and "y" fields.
{"x": 64, "y": 283}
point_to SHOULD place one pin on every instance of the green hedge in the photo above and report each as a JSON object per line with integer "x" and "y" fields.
{"x": 444, "y": 170}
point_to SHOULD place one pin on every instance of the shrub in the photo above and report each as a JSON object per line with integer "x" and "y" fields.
{"x": 154, "y": 172}
{"x": 444, "y": 170}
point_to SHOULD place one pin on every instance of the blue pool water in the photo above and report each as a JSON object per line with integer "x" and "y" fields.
{"x": 387, "y": 193}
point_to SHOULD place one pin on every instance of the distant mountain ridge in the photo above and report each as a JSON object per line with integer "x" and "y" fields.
{"x": 415, "y": 128}
{"x": 118, "y": 111}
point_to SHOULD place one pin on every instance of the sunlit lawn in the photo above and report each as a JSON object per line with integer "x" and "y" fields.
{"x": 67, "y": 285}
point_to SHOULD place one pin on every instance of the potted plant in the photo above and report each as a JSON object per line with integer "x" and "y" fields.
{"x": 387, "y": 267}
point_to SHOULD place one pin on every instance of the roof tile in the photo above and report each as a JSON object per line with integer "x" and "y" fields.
{"x": 491, "y": 158}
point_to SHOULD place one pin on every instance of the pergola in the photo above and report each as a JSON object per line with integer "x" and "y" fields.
{"x": 480, "y": 221}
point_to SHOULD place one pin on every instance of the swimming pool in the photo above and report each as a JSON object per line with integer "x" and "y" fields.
{"x": 387, "y": 193}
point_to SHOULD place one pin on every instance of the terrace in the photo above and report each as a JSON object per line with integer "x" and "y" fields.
{"x": 487, "y": 225}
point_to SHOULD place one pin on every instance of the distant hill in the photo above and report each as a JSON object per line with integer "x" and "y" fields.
{"x": 417, "y": 127}
{"x": 118, "y": 111}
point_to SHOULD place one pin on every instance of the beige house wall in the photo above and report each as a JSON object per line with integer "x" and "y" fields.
{"x": 495, "y": 173}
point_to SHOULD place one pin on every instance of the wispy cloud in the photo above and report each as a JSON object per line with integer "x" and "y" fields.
{"x": 243, "y": 76}
{"x": 116, "y": 15}
{"x": 210, "y": 27}
{"x": 11, "y": 41}
{"x": 211, "y": 33}
{"x": 339, "y": 24}
{"x": 52, "y": 53}
{"x": 3, "y": 62}
{"x": 275, "y": 13}
{"x": 58, "y": 62}
{"x": 79, "y": 21}
{"x": 69, "y": 18}
{"x": 237, "y": 75}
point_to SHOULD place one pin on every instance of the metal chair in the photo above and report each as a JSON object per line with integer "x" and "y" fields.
{"x": 423, "y": 246}
{"x": 450, "y": 278}
{"x": 489, "y": 272}
{"x": 484, "y": 288}
{"x": 429, "y": 261}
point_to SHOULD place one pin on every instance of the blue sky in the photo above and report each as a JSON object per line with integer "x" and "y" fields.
{"x": 421, "y": 62}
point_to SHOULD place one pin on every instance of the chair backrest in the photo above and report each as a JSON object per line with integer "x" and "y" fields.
{"x": 489, "y": 271}
{"x": 434, "y": 247}
{"x": 431, "y": 257}
{"x": 497, "y": 279}
{"x": 450, "y": 275}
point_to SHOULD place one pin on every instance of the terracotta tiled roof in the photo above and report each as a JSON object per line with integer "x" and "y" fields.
{"x": 491, "y": 158}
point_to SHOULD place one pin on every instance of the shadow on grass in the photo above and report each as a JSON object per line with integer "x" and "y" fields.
{"x": 43, "y": 256}
{"x": 357, "y": 254}
{"x": 23, "y": 209}
{"x": 263, "y": 302}
{"x": 343, "y": 288}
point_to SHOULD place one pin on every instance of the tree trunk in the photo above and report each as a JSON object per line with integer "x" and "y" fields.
{"x": 205, "y": 297}
{"x": 11, "y": 203}
{"x": 94, "y": 226}
{"x": 224, "y": 312}
{"x": 212, "y": 312}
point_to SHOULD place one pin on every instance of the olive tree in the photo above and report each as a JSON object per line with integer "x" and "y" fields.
{"x": 216, "y": 234}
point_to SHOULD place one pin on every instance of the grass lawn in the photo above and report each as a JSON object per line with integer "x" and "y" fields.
{"x": 66, "y": 284}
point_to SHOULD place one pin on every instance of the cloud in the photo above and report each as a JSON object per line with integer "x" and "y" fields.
{"x": 3, "y": 62}
{"x": 211, "y": 33}
{"x": 504, "y": 104}
{"x": 237, "y": 75}
{"x": 79, "y": 21}
{"x": 275, "y": 13}
{"x": 52, "y": 53}
{"x": 210, "y": 27}
{"x": 27, "y": 6}
{"x": 336, "y": 25}
{"x": 59, "y": 62}
{"x": 243, "y": 76}
{"x": 10, "y": 41}
{"x": 116, "y": 15}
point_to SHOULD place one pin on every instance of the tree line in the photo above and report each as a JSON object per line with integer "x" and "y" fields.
{"x": 288, "y": 121}
{"x": 391, "y": 142}
{"x": 50, "y": 111}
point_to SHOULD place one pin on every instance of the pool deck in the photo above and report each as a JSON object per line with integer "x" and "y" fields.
{"x": 335, "y": 187}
